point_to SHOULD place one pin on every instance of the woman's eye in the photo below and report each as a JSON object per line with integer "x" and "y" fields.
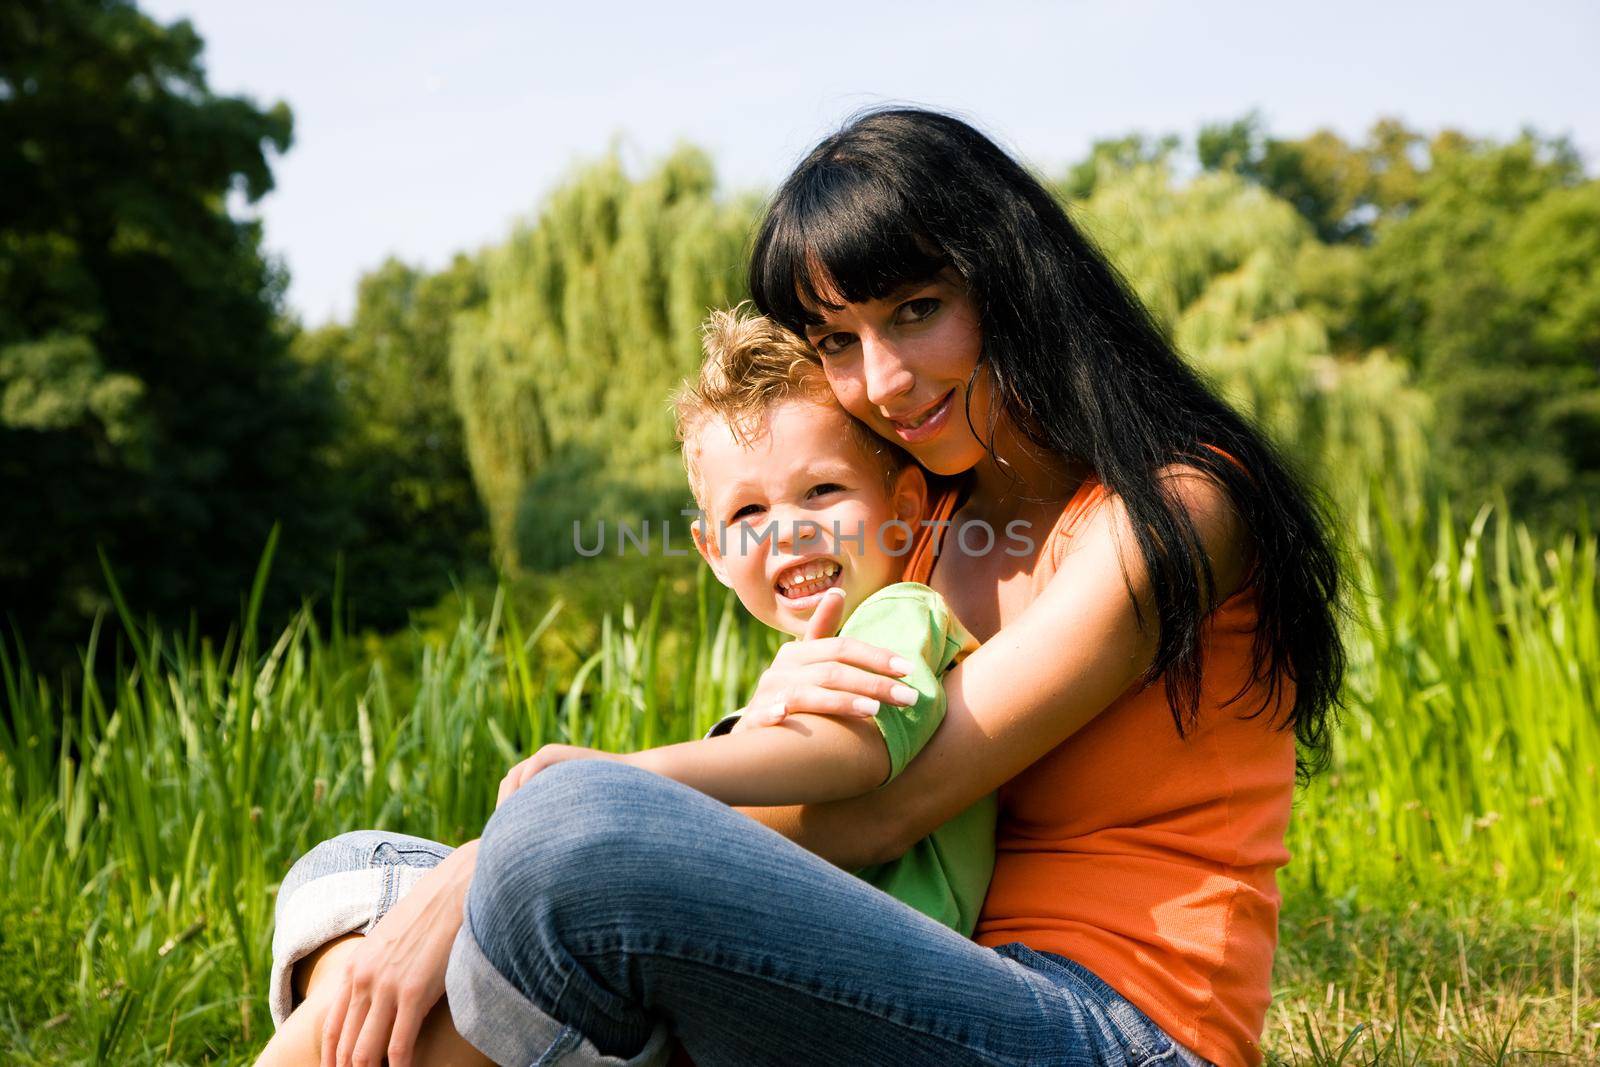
{"x": 919, "y": 309}
{"x": 825, "y": 488}
{"x": 834, "y": 343}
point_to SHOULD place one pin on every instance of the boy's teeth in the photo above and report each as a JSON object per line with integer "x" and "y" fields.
{"x": 813, "y": 577}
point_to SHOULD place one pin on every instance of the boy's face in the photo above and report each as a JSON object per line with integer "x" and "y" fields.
{"x": 801, "y": 509}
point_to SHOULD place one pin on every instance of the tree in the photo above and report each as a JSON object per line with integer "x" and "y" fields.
{"x": 1474, "y": 262}
{"x": 1490, "y": 286}
{"x": 1114, "y": 155}
{"x": 1340, "y": 188}
{"x": 592, "y": 315}
{"x": 399, "y": 455}
{"x": 147, "y": 402}
{"x": 1223, "y": 265}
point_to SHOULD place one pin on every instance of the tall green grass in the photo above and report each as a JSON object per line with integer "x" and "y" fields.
{"x": 147, "y": 817}
{"x": 1470, "y": 749}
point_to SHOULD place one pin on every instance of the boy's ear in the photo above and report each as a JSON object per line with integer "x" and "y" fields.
{"x": 710, "y": 551}
{"x": 910, "y": 495}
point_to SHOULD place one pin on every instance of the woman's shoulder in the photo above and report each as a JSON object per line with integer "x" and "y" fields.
{"x": 1192, "y": 489}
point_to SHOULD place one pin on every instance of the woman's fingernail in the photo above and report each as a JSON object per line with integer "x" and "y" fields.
{"x": 903, "y": 694}
{"x": 900, "y": 666}
{"x": 865, "y": 705}
{"x": 775, "y": 713}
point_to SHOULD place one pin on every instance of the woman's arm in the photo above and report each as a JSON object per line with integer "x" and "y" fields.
{"x": 806, "y": 758}
{"x": 1049, "y": 671}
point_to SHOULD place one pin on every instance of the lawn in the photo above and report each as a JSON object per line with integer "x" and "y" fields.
{"x": 1441, "y": 906}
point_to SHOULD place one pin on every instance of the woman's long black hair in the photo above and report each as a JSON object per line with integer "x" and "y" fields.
{"x": 900, "y": 194}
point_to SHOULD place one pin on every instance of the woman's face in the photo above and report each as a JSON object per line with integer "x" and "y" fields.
{"x": 902, "y": 364}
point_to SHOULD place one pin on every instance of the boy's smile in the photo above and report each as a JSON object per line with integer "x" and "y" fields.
{"x": 801, "y": 508}
{"x": 799, "y": 582}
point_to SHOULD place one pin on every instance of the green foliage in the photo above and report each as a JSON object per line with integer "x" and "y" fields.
{"x": 147, "y": 404}
{"x": 1114, "y": 155}
{"x": 1222, "y": 265}
{"x": 1488, "y": 288}
{"x": 1474, "y": 264}
{"x": 1469, "y": 749}
{"x": 399, "y": 455}
{"x": 1340, "y": 188}
{"x": 591, "y": 317}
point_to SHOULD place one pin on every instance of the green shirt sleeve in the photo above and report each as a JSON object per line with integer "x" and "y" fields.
{"x": 912, "y": 620}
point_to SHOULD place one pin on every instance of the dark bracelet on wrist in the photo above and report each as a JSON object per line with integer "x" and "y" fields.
{"x": 723, "y": 726}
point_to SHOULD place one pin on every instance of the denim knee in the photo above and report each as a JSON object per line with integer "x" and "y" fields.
{"x": 580, "y": 841}
{"x": 569, "y": 812}
{"x": 580, "y": 798}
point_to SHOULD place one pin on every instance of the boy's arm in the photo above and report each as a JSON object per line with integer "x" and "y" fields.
{"x": 805, "y": 759}
{"x": 809, "y": 759}
{"x": 913, "y": 620}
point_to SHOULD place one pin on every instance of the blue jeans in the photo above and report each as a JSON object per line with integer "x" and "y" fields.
{"x": 611, "y": 907}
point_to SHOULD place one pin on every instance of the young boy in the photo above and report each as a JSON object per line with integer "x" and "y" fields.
{"x": 799, "y": 501}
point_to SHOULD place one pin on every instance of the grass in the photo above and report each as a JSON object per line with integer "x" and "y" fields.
{"x": 1442, "y": 906}
{"x": 1470, "y": 749}
{"x": 1455, "y": 981}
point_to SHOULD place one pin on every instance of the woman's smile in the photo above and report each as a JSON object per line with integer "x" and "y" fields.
{"x": 925, "y": 423}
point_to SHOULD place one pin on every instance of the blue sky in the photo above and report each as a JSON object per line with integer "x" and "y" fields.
{"x": 419, "y": 132}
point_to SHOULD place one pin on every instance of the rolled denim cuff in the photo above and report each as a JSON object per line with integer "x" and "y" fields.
{"x": 325, "y": 908}
{"x": 497, "y": 1020}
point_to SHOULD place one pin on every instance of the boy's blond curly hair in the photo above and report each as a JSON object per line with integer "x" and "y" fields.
{"x": 752, "y": 364}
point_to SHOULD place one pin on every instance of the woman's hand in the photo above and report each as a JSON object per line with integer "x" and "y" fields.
{"x": 825, "y": 675}
{"x": 396, "y": 975}
{"x": 547, "y": 756}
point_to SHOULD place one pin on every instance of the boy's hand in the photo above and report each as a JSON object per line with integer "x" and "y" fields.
{"x": 548, "y": 756}
{"x": 826, "y": 675}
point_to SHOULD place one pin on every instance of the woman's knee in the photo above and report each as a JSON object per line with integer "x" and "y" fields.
{"x": 580, "y": 798}
{"x": 578, "y": 825}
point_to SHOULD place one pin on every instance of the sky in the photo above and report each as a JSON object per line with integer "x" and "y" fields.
{"x": 421, "y": 133}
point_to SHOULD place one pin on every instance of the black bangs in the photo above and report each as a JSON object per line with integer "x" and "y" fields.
{"x": 837, "y": 228}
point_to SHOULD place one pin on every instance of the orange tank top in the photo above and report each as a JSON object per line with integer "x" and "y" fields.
{"x": 1148, "y": 858}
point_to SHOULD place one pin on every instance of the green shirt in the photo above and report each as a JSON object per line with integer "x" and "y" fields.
{"x": 946, "y": 874}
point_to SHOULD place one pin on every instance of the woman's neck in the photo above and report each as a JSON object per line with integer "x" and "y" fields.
{"x": 1018, "y": 477}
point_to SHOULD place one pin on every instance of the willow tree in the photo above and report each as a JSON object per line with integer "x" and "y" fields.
{"x": 1233, "y": 273}
{"x": 591, "y": 316}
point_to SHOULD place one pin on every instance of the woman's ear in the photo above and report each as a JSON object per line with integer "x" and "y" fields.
{"x": 710, "y": 551}
{"x": 910, "y": 496}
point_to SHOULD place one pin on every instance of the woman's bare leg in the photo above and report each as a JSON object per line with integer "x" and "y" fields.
{"x": 298, "y": 1043}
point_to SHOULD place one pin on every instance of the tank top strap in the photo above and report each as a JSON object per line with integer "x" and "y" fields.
{"x": 945, "y": 497}
{"x": 948, "y": 496}
{"x": 1089, "y": 494}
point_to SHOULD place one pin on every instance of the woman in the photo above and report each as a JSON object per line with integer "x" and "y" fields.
{"x": 1150, "y": 660}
